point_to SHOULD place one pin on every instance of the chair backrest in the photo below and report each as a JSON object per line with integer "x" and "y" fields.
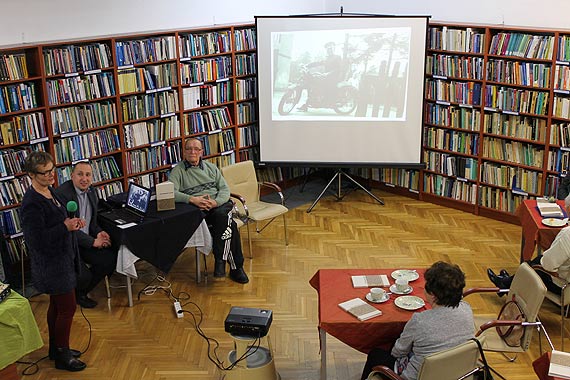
{"x": 453, "y": 363}
{"x": 242, "y": 180}
{"x": 529, "y": 291}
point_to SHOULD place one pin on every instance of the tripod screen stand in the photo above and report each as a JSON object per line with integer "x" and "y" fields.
{"x": 339, "y": 174}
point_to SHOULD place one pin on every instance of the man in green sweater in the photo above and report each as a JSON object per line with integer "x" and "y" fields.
{"x": 201, "y": 183}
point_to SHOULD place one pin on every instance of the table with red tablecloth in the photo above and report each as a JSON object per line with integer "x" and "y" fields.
{"x": 534, "y": 233}
{"x": 334, "y": 286}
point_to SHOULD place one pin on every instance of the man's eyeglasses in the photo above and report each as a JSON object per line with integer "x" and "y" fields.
{"x": 47, "y": 172}
{"x": 193, "y": 149}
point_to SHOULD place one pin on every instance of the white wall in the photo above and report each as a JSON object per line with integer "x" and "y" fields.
{"x": 552, "y": 14}
{"x": 31, "y": 21}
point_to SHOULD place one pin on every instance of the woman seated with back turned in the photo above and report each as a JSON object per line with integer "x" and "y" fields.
{"x": 447, "y": 324}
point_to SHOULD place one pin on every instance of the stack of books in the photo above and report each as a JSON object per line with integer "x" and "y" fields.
{"x": 360, "y": 309}
{"x": 559, "y": 365}
{"x": 549, "y": 210}
{"x": 369, "y": 281}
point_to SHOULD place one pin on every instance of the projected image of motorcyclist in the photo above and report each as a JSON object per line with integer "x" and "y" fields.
{"x": 323, "y": 81}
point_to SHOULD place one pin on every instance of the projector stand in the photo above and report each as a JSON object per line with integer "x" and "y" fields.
{"x": 339, "y": 174}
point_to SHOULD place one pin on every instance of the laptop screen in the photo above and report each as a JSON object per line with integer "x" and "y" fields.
{"x": 138, "y": 198}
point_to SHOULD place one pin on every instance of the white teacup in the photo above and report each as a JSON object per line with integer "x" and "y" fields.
{"x": 377, "y": 294}
{"x": 402, "y": 285}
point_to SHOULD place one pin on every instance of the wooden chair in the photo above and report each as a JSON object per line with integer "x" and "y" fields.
{"x": 459, "y": 362}
{"x": 242, "y": 180}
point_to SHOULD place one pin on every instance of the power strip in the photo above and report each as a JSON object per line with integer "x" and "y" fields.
{"x": 178, "y": 310}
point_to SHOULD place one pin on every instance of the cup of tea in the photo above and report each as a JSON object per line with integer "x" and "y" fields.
{"x": 377, "y": 294}
{"x": 402, "y": 285}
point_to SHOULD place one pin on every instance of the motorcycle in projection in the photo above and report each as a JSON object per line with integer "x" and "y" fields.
{"x": 343, "y": 101}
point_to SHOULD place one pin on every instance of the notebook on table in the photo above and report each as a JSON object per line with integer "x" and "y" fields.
{"x": 135, "y": 207}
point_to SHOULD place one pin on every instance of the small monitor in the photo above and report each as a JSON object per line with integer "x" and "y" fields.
{"x": 138, "y": 198}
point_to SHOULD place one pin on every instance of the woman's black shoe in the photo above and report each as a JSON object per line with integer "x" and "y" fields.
{"x": 53, "y": 352}
{"x": 504, "y": 273}
{"x": 65, "y": 360}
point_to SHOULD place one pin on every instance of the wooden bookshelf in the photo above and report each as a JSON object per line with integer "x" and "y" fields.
{"x": 125, "y": 103}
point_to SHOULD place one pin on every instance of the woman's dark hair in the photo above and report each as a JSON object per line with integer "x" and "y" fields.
{"x": 35, "y": 159}
{"x": 445, "y": 282}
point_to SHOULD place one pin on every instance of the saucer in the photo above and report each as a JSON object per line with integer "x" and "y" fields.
{"x": 410, "y": 275}
{"x": 395, "y": 290}
{"x": 409, "y": 302}
{"x": 553, "y": 222}
{"x": 386, "y": 298}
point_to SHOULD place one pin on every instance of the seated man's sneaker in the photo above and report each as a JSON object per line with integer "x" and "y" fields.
{"x": 220, "y": 269}
{"x": 239, "y": 276}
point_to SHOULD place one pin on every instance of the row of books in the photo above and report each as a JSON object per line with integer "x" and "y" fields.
{"x": 16, "y": 250}
{"x": 11, "y": 161}
{"x": 83, "y": 117}
{"x": 104, "y": 169}
{"x": 225, "y": 160}
{"x": 22, "y": 128}
{"x": 207, "y": 121}
{"x": 406, "y": 178}
{"x": 149, "y": 105}
{"x": 513, "y": 151}
{"x": 80, "y": 88}
{"x": 193, "y": 45}
{"x": 558, "y": 160}
{"x": 18, "y": 97}
{"x": 516, "y": 100}
{"x": 146, "y": 50}
{"x": 151, "y": 131}
{"x": 560, "y": 134}
{"x": 245, "y": 39}
{"x": 511, "y": 177}
{"x": 206, "y": 95}
{"x": 453, "y": 91}
{"x": 13, "y": 67}
{"x": 141, "y": 160}
{"x": 464, "y": 67}
{"x": 12, "y": 191}
{"x": 515, "y": 126}
{"x": 519, "y": 73}
{"x": 462, "y": 40}
{"x": 150, "y": 180}
{"x": 87, "y": 145}
{"x": 551, "y": 185}
{"x": 453, "y": 116}
{"x": 206, "y": 70}
{"x": 451, "y": 165}
{"x": 561, "y": 78}
{"x": 248, "y": 136}
{"x": 108, "y": 189}
{"x": 148, "y": 78}
{"x": 450, "y": 188}
{"x": 76, "y": 58}
{"x": 563, "y": 49}
{"x": 219, "y": 142}
{"x": 246, "y": 112}
{"x": 522, "y": 45}
{"x": 274, "y": 175}
{"x": 500, "y": 199}
{"x": 561, "y": 107}
{"x": 445, "y": 139}
{"x": 251, "y": 154}
{"x": 246, "y": 64}
{"x": 246, "y": 88}
{"x": 10, "y": 223}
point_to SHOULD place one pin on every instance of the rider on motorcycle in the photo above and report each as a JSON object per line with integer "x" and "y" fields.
{"x": 322, "y": 85}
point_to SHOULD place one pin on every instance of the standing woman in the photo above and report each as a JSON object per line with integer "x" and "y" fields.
{"x": 48, "y": 233}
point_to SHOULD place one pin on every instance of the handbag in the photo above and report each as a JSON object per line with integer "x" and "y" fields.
{"x": 511, "y": 335}
{"x": 541, "y": 366}
{"x": 486, "y": 370}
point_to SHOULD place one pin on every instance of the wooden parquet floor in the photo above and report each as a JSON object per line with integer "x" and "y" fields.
{"x": 148, "y": 342}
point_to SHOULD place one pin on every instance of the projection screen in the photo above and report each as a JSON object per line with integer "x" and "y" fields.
{"x": 341, "y": 91}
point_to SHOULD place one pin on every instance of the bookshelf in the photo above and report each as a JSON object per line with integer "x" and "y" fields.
{"x": 496, "y": 119}
{"x": 125, "y": 103}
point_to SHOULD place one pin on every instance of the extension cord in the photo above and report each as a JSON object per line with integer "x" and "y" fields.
{"x": 178, "y": 310}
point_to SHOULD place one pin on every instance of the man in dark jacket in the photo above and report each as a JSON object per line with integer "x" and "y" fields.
{"x": 94, "y": 243}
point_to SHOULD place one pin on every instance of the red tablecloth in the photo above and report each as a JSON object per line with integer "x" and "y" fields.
{"x": 335, "y": 286}
{"x": 533, "y": 231}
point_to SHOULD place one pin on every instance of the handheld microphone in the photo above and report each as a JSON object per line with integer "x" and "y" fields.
{"x": 71, "y": 209}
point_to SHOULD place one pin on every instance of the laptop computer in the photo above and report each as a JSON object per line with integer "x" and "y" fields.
{"x": 135, "y": 207}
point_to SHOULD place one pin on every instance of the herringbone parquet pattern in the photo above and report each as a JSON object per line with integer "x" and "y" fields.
{"x": 148, "y": 342}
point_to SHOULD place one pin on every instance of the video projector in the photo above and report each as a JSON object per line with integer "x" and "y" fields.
{"x": 246, "y": 321}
